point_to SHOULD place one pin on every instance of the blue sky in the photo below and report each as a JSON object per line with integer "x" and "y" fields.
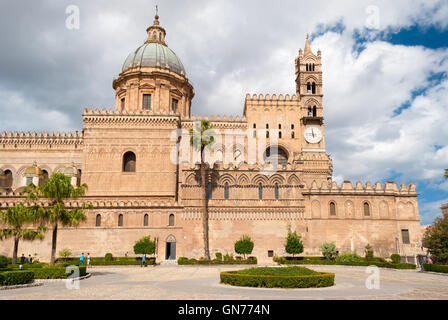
{"x": 385, "y": 68}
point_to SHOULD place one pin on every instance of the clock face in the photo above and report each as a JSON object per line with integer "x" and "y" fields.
{"x": 313, "y": 135}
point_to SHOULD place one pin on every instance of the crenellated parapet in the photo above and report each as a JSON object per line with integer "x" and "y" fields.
{"x": 347, "y": 188}
{"x": 268, "y": 102}
{"x": 41, "y": 138}
{"x": 126, "y": 118}
{"x": 217, "y": 122}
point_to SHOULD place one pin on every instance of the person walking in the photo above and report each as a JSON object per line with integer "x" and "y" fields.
{"x": 81, "y": 259}
{"x": 30, "y": 259}
{"x": 88, "y": 259}
{"x": 144, "y": 260}
{"x": 22, "y": 259}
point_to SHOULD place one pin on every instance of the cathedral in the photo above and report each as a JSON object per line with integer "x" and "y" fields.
{"x": 270, "y": 172}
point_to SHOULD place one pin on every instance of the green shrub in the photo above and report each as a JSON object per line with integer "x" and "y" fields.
{"x": 244, "y": 246}
{"x": 396, "y": 258}
{"x": 436, "y": 268}
{"x": 4, "y": 261}
{"x": 203, "y": 261}
{"x": 290, "y": 277}
{"x": 108, "y": 257}
{"x": 349, "y": 258}
{"x": 145, "y": 246}
{"x": 11, "y": 278}
{"x": 368, "y": 252}
{"x": 294, "y": 243}
{"x": 218, "y": 256}
{"x": 65, "y": 253}
{"x": 329, "y": 250}
{"x": 56, "y": 272}
{"x": 436, "y": 240}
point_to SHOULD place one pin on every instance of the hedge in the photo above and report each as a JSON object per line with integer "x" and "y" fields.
{"x": 101, "y": 261}
{"x": 236, "y": 278}
{"x": 55, "y": 272}
{"x": 322, "y": 261}
{"x": 436, "y": 268}
{"x": 185, "y": 261}
{"x": 11, "y": 278}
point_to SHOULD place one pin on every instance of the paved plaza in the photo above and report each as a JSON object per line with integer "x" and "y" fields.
{"x": 202, "y": 282}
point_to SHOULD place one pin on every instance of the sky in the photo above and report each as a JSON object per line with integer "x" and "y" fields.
{"x": 385, "y": 66}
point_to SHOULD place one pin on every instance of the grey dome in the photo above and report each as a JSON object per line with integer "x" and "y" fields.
{"x": 154, "y": 55}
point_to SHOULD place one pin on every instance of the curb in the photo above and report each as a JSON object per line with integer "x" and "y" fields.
{"x": 347, "y": 266}
{"x": 27, "y": 285}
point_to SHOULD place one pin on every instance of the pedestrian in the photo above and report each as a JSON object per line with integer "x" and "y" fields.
{"x": 81, "y": 259}
{"x": 144, "y": 260}
{"x": 30, "y": 259}
{"x": 126, "y": 254}
{"x": 88, "y": 259}
{"x": 22, "y": 259}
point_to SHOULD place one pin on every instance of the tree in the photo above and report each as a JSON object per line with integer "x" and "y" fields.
{"x": 329, "y": 250}
{"x": 56, "y": 190}
{"x": 15, "y": 219}
{"x": 244, "y": 246}
{"x": 145, "y": 246}
{"x": 294, "y": 243}
{"x": 369, "y": 252}
{"x": 436, "y": 239}
{"x": 200, "y": 138}
{"x": 65, "y": 253}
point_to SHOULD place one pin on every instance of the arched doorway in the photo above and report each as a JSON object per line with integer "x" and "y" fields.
{"x": 170, "y": 248}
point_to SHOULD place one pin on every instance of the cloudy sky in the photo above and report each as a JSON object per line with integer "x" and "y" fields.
{"x": 385, "y": 71}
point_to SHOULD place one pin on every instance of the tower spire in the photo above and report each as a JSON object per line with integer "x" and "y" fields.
{"x": 307, "y": 44}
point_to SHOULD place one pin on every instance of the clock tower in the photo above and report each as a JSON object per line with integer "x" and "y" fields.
{"x": 309, "y": 89}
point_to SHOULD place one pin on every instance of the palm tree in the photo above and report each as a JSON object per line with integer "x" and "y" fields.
{"x": 200, "y": 138}
{"x": 57, "y": 189}
{"x": 15, "y": 219}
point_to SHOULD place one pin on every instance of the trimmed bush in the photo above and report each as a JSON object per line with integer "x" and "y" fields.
{"x": 329, "y": 250}
{"x": 368, "y": 252}
{"x": 203, "y": 261}
{"x": 145, "y": 246}
{"x": 379, "y": 262}
{"x": 57, "y": 272}
{"x": 396, "y": 258}
{"x": 436, "y": 268}
{"x": 349, "y": 258}
{"x": 4, "y": 261}
{"x": 289, "y": 277}
{"x": 218, "y": 256}
{"x": 108, "y": 257}
{"x": 11, "y": 278}
{"x": 244, "y": 246}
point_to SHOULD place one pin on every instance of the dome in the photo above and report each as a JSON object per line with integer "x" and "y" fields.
{"x": 71, "y": 171}
{"x": 33, "y": 171}
{"x": 153, "y": 54}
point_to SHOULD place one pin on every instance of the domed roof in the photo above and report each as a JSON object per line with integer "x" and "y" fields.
{"x": 71, "y": 171}
{"x": 153, "y": 54}
{"x": 34, "y": 171}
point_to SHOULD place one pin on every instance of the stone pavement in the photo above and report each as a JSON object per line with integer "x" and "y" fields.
{"x": 202, "y": 282}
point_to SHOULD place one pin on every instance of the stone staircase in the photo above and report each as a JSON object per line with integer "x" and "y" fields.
{"x": 168, "y": 263}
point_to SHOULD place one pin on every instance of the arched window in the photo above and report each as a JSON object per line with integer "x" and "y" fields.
{"x": 276, "y": 191}
{"x": 314, "y": 111}
{"x": 129, "y": 162}
{"x": 209, "y": 191}
{"x": 279, "y": 134}
{"x": 310, "y": 112}
{"x": 332, "y": 209}
{"x": 44, "y": 177}
{"x": 6, "y": 180}
{"x": 145, "y": 220}
{"x": 78, "y": 178}
{"x": 226, "y": 191}
{"x": 280, "y": 156}
{"x": 307, "y": 67}
{"x": 308, "y": 87}
{"x": 154, "y": 36}
{"x": 366, "y": 209}
{"x": 98, "y": 220}
{"x": 292, "y": 135}
{"x": 120, "y": 220}
{"x": 171, "y": 220}
{"x": 260, "y": 191}
{"x": 267, "y": 134}
{"x": 313, "y": 88}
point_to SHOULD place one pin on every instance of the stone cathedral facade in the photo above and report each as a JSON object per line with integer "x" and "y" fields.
{"x": 138, "y": 185}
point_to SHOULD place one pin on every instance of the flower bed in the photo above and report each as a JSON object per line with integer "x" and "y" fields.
{"x": 285, "y": 277}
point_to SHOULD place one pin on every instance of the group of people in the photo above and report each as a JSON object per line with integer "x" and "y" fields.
{"x": 24, "y": 259}
{"x": 81, "y": 259}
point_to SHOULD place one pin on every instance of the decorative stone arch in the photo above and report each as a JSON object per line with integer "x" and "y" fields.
{"x": 238, "y": 153}
{"x": 243, "y": 180}
{"x": 276, "y": 178}
{"x": 293, "y": 180}
{"x": 315, "y": 209}
{"x": 384, "y": 209}
{"x": 227, "y": 178}
{"x": 367, "y": 208}
{"x": 191, "y": 179}
{"x": 129, "y": 161}
{"x": 332, "y": 208}
{"x": 312, "y": 102}
{"x": 282, "y": 153}
{"x": 312, "y": 78}
{"x": 170, "y": 238}
{"x": 349, "y": 209}
{"x": 259, "y": 178}
{"x": 410, "y": 209}
{"x": 170, "y": 247}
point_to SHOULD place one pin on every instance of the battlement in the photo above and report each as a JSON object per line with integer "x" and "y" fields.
{"x": 217, "y": 118}
{"x": 268, "y": 97}
{"x": 41, "y": 137}
{"x": 254, "y": 102}
{"x": 112, "y": 112}
{"x": 347, "y": 187}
